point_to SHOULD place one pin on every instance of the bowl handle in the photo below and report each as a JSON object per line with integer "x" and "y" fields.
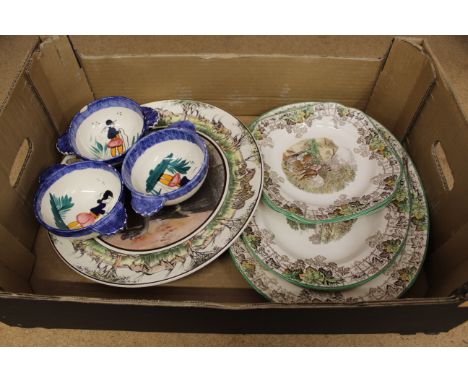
{"x": 147, "y": 205}
{"x": 49, "y": 170}
{"x": 64, "y": 145}
{"x": 151, "y": 117}
{"x": 114, "y": 222}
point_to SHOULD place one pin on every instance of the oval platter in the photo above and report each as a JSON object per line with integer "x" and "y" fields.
{"x": 120, "y": 264}
{"x": 325, "y": 162}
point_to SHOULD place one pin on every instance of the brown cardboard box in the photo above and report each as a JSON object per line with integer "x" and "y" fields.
{"x": 400, "y": 82}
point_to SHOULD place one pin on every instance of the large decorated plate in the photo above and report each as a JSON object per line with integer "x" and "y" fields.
{"x": 178, "y": 223}
{"x": 183, "y": 238}
{"x": 330, "y": 256}
{"x": 325, "y": 162}
{"x": 390, "y": 284}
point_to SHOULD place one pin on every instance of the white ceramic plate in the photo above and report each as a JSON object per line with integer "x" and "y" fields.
{"x": 325, "y": 162}
{"x": 175, "y": 224}
{"x": 391, "y": 284}
{"x": 330, "y": 256}
{"x": 114, "y": 267}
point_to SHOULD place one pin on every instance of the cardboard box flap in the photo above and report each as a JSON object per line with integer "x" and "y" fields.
{"x": 402, "y": 87}
{"x": 59, "y": 80}
{"x": 452, "y": 51}
{"x": 319, "y": 46}
{"x": 14, "y": 54}
{"x": 441, "y": 125}
{"x": 242, "y": 85}
{"x": 23, "y": 120}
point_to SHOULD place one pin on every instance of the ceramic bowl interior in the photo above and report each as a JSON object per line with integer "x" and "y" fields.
{"x": 166, "y": 166}
{"x": 108, "y": 129}
{"x": 79, "y": 198}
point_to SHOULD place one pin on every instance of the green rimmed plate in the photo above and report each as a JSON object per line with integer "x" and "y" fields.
{"x": 330, "y": 256}
{"x": 110, "y": 265}
{"x": 392, "y": 283}
{"x": 325, "y": 162}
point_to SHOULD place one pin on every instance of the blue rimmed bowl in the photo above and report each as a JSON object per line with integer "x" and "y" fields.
{"x": 105, "y": 129}
{"x": 165, "y": 168}
{"x": 80, "y": 200}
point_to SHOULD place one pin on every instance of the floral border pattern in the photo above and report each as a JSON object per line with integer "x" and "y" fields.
{"x": 104, "y": 265}
{"x": 392, "y": 283}
{"x": 318, "y": 272}
{"x": 296, "y": 120}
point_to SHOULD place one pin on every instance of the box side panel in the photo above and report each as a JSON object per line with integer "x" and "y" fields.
{"x": 450, "y": 54}
{"x": 242, "y": 85}
{"x": 14, "y": 53}
{"x": 430, "y": 316}
{"x": 442, "y": 125}
{"x": 59, "y": 80}
{"x": 333, "y": 46}
{"x": 11, "y": 281}
{"x": 28, "y": 147}
{"x": 402, "y": 87}
{"x": 15, "y": 257}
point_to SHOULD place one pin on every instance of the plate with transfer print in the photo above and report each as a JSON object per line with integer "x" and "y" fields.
{"x": 330, "y": 256}
{"x": 325, "y": 162}
{"x": 175, "y": 224}
{"x": 184, "y": 238}
{"x": 391, "y": 284}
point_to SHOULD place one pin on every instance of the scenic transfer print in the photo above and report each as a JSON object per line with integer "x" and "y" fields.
{"x": 330, "y": 151}
{"x": 112, "y": 266}
{"x": 174, "y": 224}
{"x": 314, "y": 165}
{"x": 390, "y": 284}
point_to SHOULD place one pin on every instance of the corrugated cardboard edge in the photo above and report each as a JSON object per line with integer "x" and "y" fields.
{"x": 443, "y": 77}
{"x": 17, "y": 125}
{"x": 225, "y": 306}
{"x": 19, "y": 73}
{"x": 16, "y": 258}
{"x": 447, "y": 262}
{"x": 389, "y": 100}
{"x": 60, "y": 82}
{"x": 240, "y": 84}
{"x": 338, "y": 46}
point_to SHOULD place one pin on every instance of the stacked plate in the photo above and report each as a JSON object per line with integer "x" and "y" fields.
{"x": 343, "y": 215}
{"x": 183, "y": 238}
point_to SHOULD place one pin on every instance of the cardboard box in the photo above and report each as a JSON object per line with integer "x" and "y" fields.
{"x": 402, "y": 82}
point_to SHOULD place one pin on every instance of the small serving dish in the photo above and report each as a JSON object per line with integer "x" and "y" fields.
{"x": 80, "y": 200}
{"x": 165, "y": 168}
{"x": 106, "y": 128}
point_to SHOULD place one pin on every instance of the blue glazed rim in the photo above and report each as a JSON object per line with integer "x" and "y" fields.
{"x": 99, "y": 104}
{"x": 54, "y": 173}
{"x": 177, "y": 131}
